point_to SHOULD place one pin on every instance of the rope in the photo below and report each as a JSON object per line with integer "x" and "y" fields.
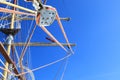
{"x": 15, "y": 20}
{"x": 63, "y": 31}
{"x": 5, "y": 69}
{"x": 2, "y": 18}
{"x": 16, "y": 54}
{"x": 2, "y": 75}
{"x": 45, "y": 65}
{"x": 65, "y": 67}
{"x": 47, "y": 32}
{"x": 29, "y": 30}
{"x": 26, "y": 46}
{"x": 31, "y": 73}
{"x": 16, "y": 6}
{"x": 62, "y": 64}
{"x": 2, "y": 63}
{"x": 16, "y": 12}
{"x": 5, "y": 13}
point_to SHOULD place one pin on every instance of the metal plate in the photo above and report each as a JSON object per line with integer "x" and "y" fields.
{"x": 47, "y": 17}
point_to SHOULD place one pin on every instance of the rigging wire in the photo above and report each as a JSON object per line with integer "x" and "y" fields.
{"x": 24, "y": 50}
{"x": 5, "y": 69}
{"x": 2, "y": 63}
{"x": 65, "y": 67}
{"x": 2, "y": 75}
{"x": 5, "y": 13}
{"x": 15, "y": 20}
{"x": 58, "y": 71}
{"x": 47, "y": 32}
{"x": 26, "y": 46}
{"x": 26, "y": 40}
{"x": 49, "y": 64}
{"x": 16, "y": 12}
{"x": 2, "y": 18}
{"x": 16, "y": 54}
{"x": 63, "y": 31}
{"x": 31, "y": 73}
{"x": 30, "y": 59}
{"x": 35, "y": 69}
{"x": 29, "y": 30}
{"x": 28, "y": 53}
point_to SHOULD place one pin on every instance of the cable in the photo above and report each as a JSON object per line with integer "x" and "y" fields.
{"x": 2, "y": 75}
{"x": 62, "y": 64}
{"x": 26, "y": 46}
{"x": 65, "y": 67}
{"x": 31, "y": 73}
{"x": 29, "y": 30}
{"x": 2, "y": 63}
{"x": 16, "y": 12}
{"x": 47, "y": 32}
{"x": 2, "y": 18}
{"x": 45, "y": 65}
{"x": 5, "y": 13}
{"x": 15, "y": 20}
{"x": 16, "y": 54}
{"x": 63, "y": 31}
{"x": 5, "y": 69}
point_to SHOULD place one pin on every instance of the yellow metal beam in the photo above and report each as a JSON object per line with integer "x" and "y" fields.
{"x": 7, "y": 64}
{"x": 8, "y": 59}
{"x": 9, "y": 46}
{"x": 19, "y": 7}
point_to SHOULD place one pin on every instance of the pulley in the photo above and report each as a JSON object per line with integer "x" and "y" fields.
{"x": 46, "y": 16}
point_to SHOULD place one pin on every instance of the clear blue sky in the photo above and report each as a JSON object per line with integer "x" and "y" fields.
{"x": 95, "y": 28}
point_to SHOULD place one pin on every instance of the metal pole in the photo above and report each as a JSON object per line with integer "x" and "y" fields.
{"x": 39, "y": 44}
{"x": 8, "y": 51}
{"x": 10, "y": 39}
{"x": 19, "y": 7}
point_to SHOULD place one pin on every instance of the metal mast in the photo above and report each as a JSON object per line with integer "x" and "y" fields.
{"x": 10, "y": 65}
{"x": 10, "y": 39}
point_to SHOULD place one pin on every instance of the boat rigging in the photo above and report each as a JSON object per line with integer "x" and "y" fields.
{"x": 45, "y": 15}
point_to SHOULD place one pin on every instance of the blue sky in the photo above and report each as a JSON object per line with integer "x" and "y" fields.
{"x": 95, "y": 28}
{"x": 95, "y": 24}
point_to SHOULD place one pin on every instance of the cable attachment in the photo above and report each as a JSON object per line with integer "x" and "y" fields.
{"x": 9, "y": 39}
{"x": 11, "y": 76}
{"x": 37, "y": 5}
